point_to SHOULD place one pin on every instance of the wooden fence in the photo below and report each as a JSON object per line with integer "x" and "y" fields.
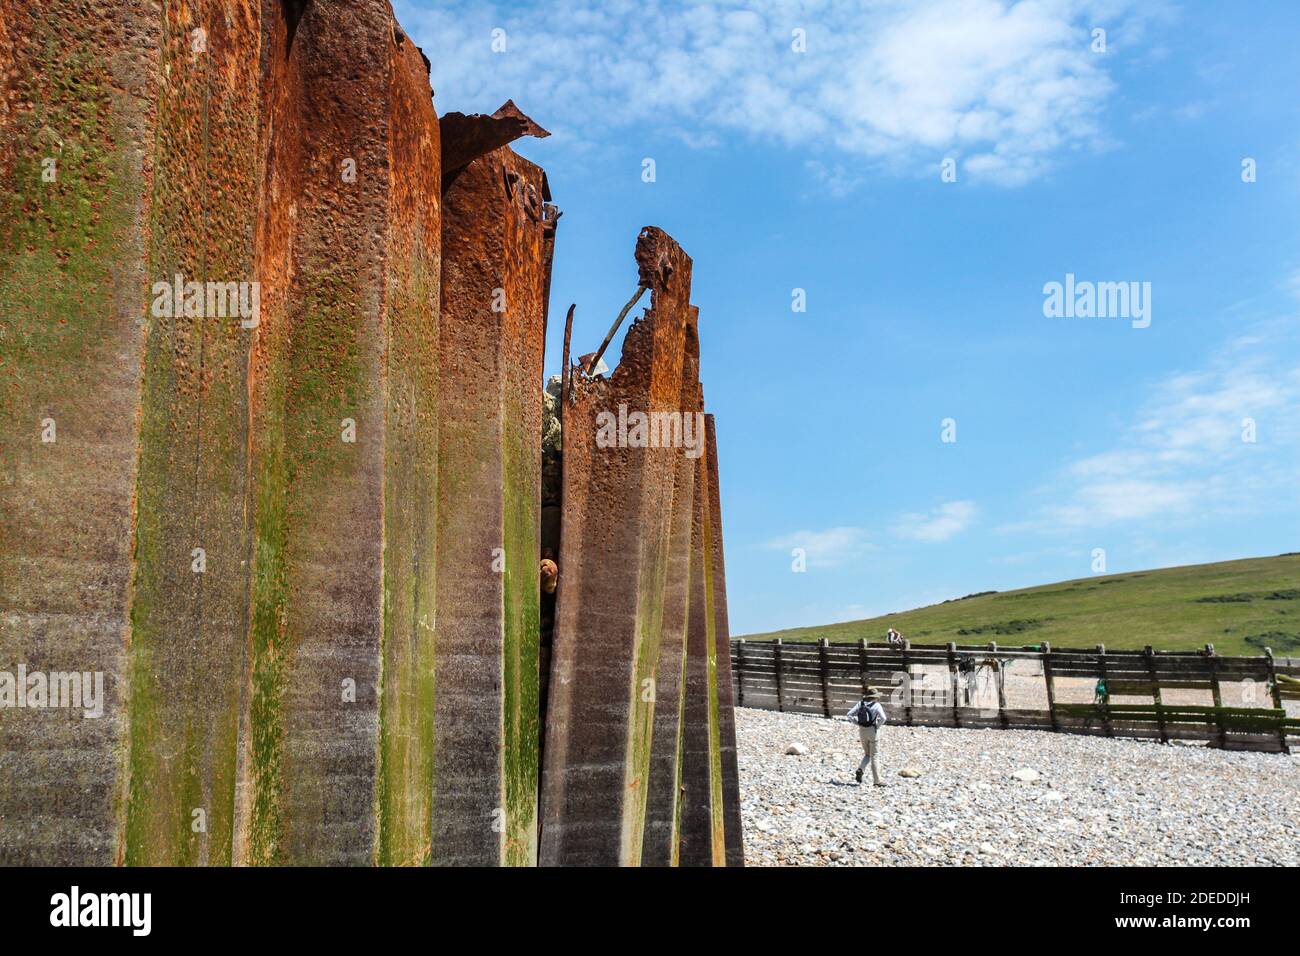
{"x": 971, "y": 688}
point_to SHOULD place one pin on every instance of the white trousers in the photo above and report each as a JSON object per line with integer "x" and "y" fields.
{"x": 870, "y": 750}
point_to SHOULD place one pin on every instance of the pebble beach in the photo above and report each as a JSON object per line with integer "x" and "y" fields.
{"x": 958, "y": 797}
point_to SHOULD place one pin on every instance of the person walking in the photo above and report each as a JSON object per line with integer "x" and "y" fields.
{"x": 870, "y": 718}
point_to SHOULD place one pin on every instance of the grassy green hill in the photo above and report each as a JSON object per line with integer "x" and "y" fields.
{"x": 1238, "y": 606}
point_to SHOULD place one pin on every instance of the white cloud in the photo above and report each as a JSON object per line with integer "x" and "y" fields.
{"x": 829, "y": 548}
{"x": 1184, "y": 455}
{"x": 940, "y": 524}
{"x": 1004, "y": 86}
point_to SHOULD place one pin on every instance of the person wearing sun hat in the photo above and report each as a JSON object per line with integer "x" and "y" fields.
{"x": 870, "y": 718}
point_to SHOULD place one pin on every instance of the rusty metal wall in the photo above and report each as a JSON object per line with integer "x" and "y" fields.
{"x": 335, "y": 749}
{"x": 701, "y": 823}
{"x": 77, "y": 157}
{"x": 344, "y": 673}
{"x": 189, "y": 626}
{"x": 663, "y": 807}
{"x": 609, "y": 611}
{"x": 733, "y": 832}
{"x": 710, "y": 800}
{"x": 226, "y": 546}
{"x": 497, "y": 239}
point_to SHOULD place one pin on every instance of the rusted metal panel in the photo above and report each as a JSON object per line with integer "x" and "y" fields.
{"x": 609, "y": 613}
{"x": 244, "y": 742}
{"x": 338, "y": 743}
{"x": 189, "y": 628}
{"x": 344, "y": 673}
{"x": 711, "y": 826}
{"x": 731, "y": 821}
{"x": 497, "y": 238}
{"x": 412, "y": 394}
{"x": 78, "y": 146}
{"x": 702, "y": 831}
{"x": 662, "y": 826}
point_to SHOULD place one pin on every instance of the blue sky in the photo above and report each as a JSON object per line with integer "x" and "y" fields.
{"x": 821, "y": 170}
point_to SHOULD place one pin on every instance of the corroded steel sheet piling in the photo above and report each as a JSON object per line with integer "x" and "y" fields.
{"x": 224, "y": 300}
{"x": 410, "y": 356}
{"x": 731, "y": 822}
{"x": 189, "y": 624}
{"x": 337, "y": 749}
{"x": 270, "y": 470}
{"x": 150, "y": 117}
{"x": 710, "y": 828}
{"x": 663, "y": 819}
{"x": 609, "y": 614}
{"x": 702, "y": 831}
{"x": 77, "y": 156}
{"x": 497, "y": 229}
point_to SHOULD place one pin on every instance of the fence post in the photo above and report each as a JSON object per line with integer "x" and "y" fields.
{"x": 1051, "y": 684}
{"x": 822, "y": 647}
{"x": 862, "y": 663}
{"x": 1105, "y": 679}
{"x": 953, "y": 682}
{"x": 776, "y": 666}
{"x": 1218, "y": 693}
{"x": 1001, "y": 679}
{"x": 740, "y": 672}
{"x": 1277, "y": 698}
{"x": 1150, "y": 653}
{"x": 907, "y": 706}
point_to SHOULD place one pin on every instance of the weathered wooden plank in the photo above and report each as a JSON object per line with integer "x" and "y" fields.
{"x": 1155, "y": 689}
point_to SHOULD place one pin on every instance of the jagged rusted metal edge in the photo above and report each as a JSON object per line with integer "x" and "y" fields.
{"x": 614, "y": 542}
{"x": 467, "y": 137}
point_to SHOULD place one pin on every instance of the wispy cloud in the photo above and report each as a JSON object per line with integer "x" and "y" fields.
{"x": 1220, "y": 440}
{"x": 939, "y": 524}
{"x": 1292, "y": 283}
{"x": 1002, "y": 86}
{"x": 829, "y": 548}
{"x": 835, "y": 178}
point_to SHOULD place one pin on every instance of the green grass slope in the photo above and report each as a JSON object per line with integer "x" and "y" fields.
{"x": 1238, "y": 606}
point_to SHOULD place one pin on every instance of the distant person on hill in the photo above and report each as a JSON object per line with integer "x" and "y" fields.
{"x": 870, "y": 718}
